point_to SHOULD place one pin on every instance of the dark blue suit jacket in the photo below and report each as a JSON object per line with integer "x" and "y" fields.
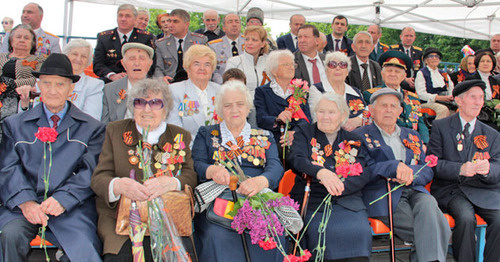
{"x": 383, "y": 165}
{"x": 301, "y": 163}
{"x": 203, "y": 152}
{"x": 483, "y": 191}
{"x": 74, "y": 157}
{"x": 268, "y": 106}
{"x": 286, "y": 42}
{"x": 345, "y": 44}
{"x": 348, "y": 97}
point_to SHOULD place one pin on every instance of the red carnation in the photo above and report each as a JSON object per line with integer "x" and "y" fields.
{"x": 306, "y": 255}
{"x": 267, "y": 245}
{"x": 46, "y": 134}
{"x": 432, "y": 160}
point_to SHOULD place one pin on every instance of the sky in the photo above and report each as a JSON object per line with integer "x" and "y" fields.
{"x": 85, "y": 22}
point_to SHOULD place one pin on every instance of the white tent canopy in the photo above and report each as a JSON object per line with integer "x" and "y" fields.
{"x": 476, "y": 19}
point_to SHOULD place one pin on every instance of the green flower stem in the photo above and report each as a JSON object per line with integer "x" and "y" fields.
{"x": 400, "y": 185}
{"x": 327, "y": 198}
{"x": 285, "y": 138}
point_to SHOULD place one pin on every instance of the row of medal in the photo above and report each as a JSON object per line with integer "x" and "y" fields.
{"x": 369, "y": 142}
{"x": 317, "y": 154}
{"x": 188, "y": 108}
{"x": 254, "y": 151}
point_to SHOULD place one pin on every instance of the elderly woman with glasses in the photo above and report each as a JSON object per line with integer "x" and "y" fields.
{"x": 194, "y": 98}
{"x": 16, "y": 79}
{"x": 272, "y": 99}
{"x": 258, "y": 160}
{"x": 434, "y": 86}
{"x": 326, "y": 152}
{"x": 337, "y": 66}
{"x": 150, "y": 102}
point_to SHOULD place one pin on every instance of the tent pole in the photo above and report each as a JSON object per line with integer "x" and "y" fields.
{"x": 70, "y": 22}
{"x": 65, "y": 23}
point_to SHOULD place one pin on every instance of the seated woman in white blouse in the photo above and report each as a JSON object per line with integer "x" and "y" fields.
{"x": 434, "y": 86}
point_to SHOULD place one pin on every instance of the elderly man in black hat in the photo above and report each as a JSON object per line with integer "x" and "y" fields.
{"x": 397, "y": 154}
{"x": 434, "y": 86}
{"x": 467, "y": 176}
{"x": 47, "y": 157}
{"x": 394, "y": 64}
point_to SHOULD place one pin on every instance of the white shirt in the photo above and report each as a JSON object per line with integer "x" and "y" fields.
{"x": 394, "y": 142}
{"x": 177, "y": 42}
{"x": 128, "y": 114}
{"x": 319, "y": 64}
{"x": 120, "y": 34}
{"x": 437, "y": 82}
{"x": 487, "y": 92}
{"x": 362, "y": 71}
{"x": 295, "y": 40}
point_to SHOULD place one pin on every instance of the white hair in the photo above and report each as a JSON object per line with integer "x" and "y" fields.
{"x": 232, "y": 85}
{"x": 76, "y": 43}
{"x": 338, "y": 100}
{"x": 272, "y": 60}
{"x": 339, "y": 56}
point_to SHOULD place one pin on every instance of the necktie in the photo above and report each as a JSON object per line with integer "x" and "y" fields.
{"x": 180, "y": 56}
{"x": 365, "y": 81}
{"x": 55, "y": 119}
{"x": 124, "y": 39}
{"x": 234, "y": 49}
{"x": 337, "y": 46}
{"x": 466, "y": 130}
{"x": 408, "y": 52}
{"x": 316, "y": 78}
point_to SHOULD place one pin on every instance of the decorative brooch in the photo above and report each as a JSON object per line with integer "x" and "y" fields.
{"x": 414, "y": 145}
{"x": 122, "y": 94}
{"x": 254, "y": 151}
{"x": 356, "y": 105}
{"x": 369, "y": 142}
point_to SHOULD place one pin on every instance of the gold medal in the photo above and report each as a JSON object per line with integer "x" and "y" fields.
{"x": 182, "y": 153}
{"x": 250, "y": 158}
{"x": 157, "y": 165}
{"x": 262, "y": 162}
{"x": 460, "y": 147}
{"x": 244, "y": 155}
{"x": 181, "y": 113}
{"x": 133, "y": 160}
{"x": 256, "y": 162}
{"x": 171, "y": 167}
{"x": 176, "y": 146}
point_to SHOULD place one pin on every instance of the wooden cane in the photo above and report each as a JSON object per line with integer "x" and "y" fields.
{"x": 391, "y": 224}
{"x": 33, "y": 95}
{"x": 233, "y": 184}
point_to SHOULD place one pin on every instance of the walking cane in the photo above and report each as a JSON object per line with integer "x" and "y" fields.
{"x": 33, "y": 95}
{"x": 391, "y": 224}
{"x": 233, "y": 184}
{"x": 305, "y": 202}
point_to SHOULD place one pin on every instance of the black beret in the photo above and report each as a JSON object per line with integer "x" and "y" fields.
{"x": 466, "y": 85}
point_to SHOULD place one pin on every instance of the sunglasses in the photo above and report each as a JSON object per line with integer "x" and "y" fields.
{"x": 434, "y": 56}
{"x": 154, "y": 104}
{"x": 5, "y": 23}
{"x": 333, "y": 65}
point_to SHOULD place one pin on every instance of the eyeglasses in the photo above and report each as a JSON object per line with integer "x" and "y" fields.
{"x": 433, "y": 56}
{"x": 333, "y": 65}
{"x": 5, "y": 23}
{"x": 289, "y": 64}
{"x": 154, "y": 104}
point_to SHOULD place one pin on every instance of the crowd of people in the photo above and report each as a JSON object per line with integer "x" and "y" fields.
{"x": 307, "y": 102}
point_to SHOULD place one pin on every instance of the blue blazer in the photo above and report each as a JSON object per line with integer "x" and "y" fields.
{"x": 482, "y": 191}
{"x": 383, "y": 165}
{"x": 301, "y": 163}
{"x": 348, "y": 97}
{"x": 203, "y": 152}
{"x": 74, "y": 157}
{"x": 286, "y": 42}
{"x": 268, "y": 106}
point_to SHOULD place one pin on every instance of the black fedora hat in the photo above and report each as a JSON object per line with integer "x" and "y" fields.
{"x": 57, "y": 64}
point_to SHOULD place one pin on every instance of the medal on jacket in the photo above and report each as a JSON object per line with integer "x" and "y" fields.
{"x": 460, "y": 145}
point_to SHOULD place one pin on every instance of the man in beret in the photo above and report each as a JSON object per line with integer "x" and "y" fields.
{"x": 467, "y": 176}
{"x": 67, "y": 163}
{"x": 394, "y": 65}
{"x": 396, "y": 154}
{"x": 137, "y": 60}
{"x": 108, "y": 51}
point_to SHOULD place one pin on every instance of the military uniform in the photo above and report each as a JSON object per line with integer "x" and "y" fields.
{"x": 411, "y": 117}
{"x": 379, "y": 49}
{"x": 46, "y": 43}
{"x": 223, "y": 51}
{"x": 166, "y": 52}
{"x": 416, "y": 58}
{"x": 108, "y": 51}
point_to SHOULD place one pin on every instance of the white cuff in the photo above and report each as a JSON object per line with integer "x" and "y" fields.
{"x": 110, "y": 74}
{"x": 111, "y": 195}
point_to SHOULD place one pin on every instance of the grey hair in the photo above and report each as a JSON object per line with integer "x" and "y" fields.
{"x": 143, "y": 11}
{"x": 76, "y": 43}
{"x": 362, "y": 33}
{"x": 144, "y": 88}
{"x": 338, "y": 100}
{"x": 182, "y": 14}
{"x": 232, "y": 85}
{"x": 272, "y": 60}
{"x": 339, "y": 56}
{"x": 127, "y": 7}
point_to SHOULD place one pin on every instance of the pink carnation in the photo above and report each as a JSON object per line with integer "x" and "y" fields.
{"x": 432, "y": 160}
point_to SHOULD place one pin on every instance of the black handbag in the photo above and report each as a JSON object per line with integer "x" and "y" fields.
{"x": 216, "y": 210}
